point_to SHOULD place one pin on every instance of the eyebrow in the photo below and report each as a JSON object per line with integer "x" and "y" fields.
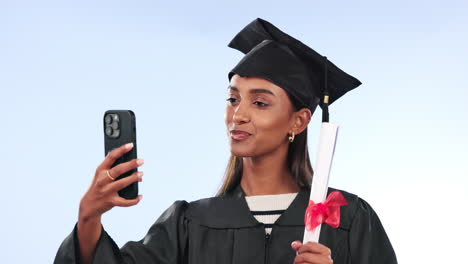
{"x": 253, "y": 91}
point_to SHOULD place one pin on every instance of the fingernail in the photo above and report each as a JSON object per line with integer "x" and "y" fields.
{"x": 140, "y": 161}
{"x": 140, "y": 176}
{"x": 140, "y": 197}
{"x": 129, "y": 145}
{"x": 293, "y": 243}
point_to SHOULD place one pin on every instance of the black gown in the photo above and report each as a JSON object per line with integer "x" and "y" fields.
{"x": 222, "y": 230}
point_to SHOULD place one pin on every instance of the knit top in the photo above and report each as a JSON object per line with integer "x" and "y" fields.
{"x": 268, "y": 208}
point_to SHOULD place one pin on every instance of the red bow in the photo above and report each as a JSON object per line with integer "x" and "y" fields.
{"x": 327, "y": 212}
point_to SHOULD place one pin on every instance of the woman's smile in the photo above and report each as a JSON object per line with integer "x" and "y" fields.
{"x": 239, "y": 135}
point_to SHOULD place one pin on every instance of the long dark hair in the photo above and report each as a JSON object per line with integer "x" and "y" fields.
{"x": 298, "y": 162}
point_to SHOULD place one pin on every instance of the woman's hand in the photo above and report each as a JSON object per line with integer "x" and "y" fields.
{"x": 102, "y": 194}
{"x": 311, "y": 252}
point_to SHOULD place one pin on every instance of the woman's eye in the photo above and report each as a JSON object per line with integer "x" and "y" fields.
{"x": 231, "y": 100}
{"x": 261, "y": 104}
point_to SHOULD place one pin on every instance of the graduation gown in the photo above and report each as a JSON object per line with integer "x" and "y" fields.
{"x": 222, "y": 230}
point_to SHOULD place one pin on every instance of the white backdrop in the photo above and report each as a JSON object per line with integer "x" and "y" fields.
{"x": 402, "y": 144}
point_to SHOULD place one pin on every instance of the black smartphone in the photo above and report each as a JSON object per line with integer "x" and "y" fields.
{"x": 119, "y": 129}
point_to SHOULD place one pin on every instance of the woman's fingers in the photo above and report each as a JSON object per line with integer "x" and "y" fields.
{"x": 124, "y": 167}
{"x": 296, "y": 245}
{"x": 119, "y": 201}
{"x": 106, "y": 174}
{"x": 114, "y": 155}
{"x": 310, "y": 258}
{"x": 124, "y": 182}
{"x": 102, "y": 195}
{"x": 311, "y": 252}
{"x": 314, "y": 247}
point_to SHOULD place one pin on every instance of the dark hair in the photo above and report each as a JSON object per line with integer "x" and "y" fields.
{"x": 298, "y": 162}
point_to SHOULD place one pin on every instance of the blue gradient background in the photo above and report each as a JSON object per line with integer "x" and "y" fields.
{"x": 402, "y": 144}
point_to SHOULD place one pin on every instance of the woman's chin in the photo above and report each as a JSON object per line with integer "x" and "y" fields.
{"x": 241, "y": 152}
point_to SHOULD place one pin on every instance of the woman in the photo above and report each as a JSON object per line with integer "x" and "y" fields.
{"x": 258, "y": 214}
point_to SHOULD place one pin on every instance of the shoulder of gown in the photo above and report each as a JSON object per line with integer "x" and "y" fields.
{"x": 165, "y": 242}
{"x": 366, "y": 237}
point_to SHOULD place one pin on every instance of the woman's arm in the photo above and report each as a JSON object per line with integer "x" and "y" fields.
{"x": 165, "y": 243}
{"x": 102, "y": 196}
{"x": 89, "y": 231}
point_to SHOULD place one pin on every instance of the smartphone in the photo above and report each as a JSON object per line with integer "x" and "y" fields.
{"x": 119, "y": 129}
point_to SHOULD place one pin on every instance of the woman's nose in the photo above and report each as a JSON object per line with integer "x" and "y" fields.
{"x": 241, "y": 114}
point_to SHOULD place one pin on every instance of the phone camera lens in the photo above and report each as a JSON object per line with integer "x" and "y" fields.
{"x": 108, "y": 119}
{"x": 109, "y": 131}
{"x": 115, "y": 125}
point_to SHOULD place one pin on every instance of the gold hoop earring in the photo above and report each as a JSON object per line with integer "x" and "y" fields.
{"x": 291, "y": 137}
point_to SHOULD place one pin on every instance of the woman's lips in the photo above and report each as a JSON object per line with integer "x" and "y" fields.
{"x": 239, "y": 135}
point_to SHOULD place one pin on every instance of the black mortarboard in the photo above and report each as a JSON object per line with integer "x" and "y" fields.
{"x": 303, "y": 73}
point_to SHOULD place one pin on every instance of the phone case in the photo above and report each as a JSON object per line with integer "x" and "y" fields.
{"x": 119, "y": 129}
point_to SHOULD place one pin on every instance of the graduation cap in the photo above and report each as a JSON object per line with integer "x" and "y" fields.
{"x": 308, "y": 77}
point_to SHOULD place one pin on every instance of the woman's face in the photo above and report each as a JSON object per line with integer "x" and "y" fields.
{"x": 259, "y": 116}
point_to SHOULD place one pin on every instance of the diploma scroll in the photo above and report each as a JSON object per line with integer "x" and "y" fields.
{"x": 318, "y": 193}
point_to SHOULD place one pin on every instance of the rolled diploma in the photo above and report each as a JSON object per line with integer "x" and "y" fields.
{"x": 318, "y": 192}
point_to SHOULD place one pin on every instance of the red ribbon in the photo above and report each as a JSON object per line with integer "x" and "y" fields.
{"x": 327, "y": 212}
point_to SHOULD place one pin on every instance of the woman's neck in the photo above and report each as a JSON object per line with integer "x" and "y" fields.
{"x": 267, "y": 174}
